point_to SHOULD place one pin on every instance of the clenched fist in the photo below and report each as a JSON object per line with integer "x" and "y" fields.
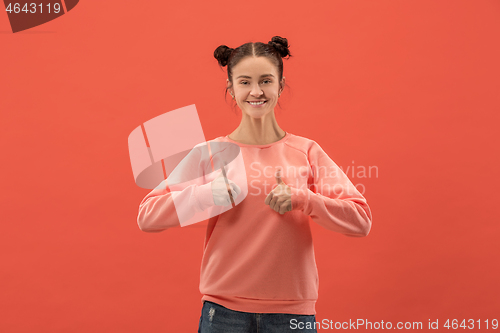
{"x": 280, "y": 198}
{"x": 220, "y": 190}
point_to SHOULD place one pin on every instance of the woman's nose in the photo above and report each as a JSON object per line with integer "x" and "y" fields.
{"x": 256, "y": 91}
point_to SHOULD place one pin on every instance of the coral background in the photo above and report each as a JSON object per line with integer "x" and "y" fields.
{"x": 410, "y": 87}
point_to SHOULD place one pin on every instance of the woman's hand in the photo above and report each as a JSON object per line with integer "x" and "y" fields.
{"x": 220, "y": 191}
{"x": 280, "y": 198}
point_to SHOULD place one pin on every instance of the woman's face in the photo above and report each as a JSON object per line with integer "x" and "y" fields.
{"x": 256, "y": 79}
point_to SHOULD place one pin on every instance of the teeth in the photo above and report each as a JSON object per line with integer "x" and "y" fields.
{"x": 253, "y": 103}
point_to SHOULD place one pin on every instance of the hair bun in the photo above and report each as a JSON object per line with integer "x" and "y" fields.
{"x": 281, "y": 45}
{"x": 222, "y": 54}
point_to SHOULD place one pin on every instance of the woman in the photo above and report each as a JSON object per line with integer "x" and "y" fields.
{"x": 258, "y": 271}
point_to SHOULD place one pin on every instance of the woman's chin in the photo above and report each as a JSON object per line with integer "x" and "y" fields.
{"x": 257, "y": 112}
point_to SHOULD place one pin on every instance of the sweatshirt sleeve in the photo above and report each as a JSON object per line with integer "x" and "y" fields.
{"x": 157, "y": 211}
{"x": 332, "y": 201}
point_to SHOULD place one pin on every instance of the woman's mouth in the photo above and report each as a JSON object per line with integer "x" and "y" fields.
{"x": 257, "y": 104}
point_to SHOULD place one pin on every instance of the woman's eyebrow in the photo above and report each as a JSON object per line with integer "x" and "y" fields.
{"x": 249, "y": 77}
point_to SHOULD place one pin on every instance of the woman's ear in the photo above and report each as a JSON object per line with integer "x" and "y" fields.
{"x": 229, "y": 87}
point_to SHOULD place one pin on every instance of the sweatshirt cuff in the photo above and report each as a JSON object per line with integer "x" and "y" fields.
{"x": 300, "y": 199}
{"x": 204, "y": 196}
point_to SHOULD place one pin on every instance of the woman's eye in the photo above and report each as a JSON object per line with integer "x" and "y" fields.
{"x": 265, "y": 81}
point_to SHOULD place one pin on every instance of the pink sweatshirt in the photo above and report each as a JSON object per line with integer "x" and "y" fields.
{"x": 255, "y": 259}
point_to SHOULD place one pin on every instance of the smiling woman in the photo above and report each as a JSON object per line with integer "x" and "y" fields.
{"x": 258, "y": 271}
{"x": 257, "y": 69}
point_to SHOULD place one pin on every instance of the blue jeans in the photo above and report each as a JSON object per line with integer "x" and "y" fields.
{"x": 218, "y": 319}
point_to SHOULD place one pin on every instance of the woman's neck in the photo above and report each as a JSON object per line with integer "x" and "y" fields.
{"x": 257, "y": 131}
